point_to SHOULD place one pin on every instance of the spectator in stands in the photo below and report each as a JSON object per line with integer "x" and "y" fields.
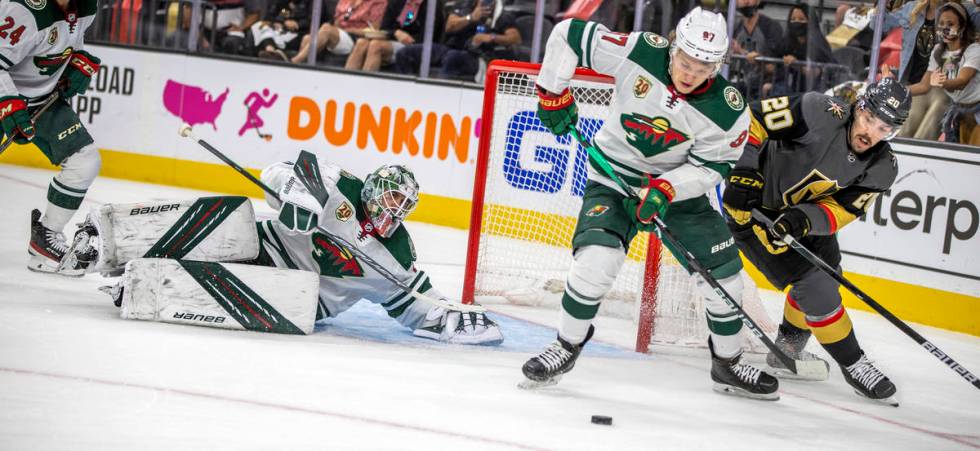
{"x": 953, "y": 67}
{"x": 755, "y": 35}
{"x": 279, "y": 30}
{"x": 403, "y": 24}
{"x": 220, "y": 19}
{"x": 803, "y": 43}
{"x": 476, "y": 29}
{"x": 352, "y": 18}
{"x": 918, "y": 39}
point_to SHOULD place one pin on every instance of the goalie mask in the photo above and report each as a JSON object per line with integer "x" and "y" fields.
{"x": 390, "y": 193}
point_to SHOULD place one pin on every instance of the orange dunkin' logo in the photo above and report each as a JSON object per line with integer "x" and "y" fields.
{"x": 650, "y": 136}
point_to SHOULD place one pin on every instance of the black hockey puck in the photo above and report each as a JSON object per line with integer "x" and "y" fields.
{"x": 601, "y": 419}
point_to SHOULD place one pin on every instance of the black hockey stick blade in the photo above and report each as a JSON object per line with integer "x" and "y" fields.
{"x": 901, "y": 325}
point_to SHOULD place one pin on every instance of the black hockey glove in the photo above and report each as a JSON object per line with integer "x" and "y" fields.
{"x": 792, "y": 222}
{"x": 743, "y": 192}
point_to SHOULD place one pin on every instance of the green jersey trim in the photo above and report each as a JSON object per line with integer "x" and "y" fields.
{"x": 654, "y": 60}
{"x": 576, "y": 30}
{"x": 50, "y": 13}
{"x": 721, "y": 167}
{"x": 722, "y": 103}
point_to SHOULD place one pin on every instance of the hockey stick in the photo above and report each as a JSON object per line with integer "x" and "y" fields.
{"x": 796, "y": 366}
{"x": 44, "y": 107}
{"x": 187, "y": 132}
{"x": 901, "y": 325}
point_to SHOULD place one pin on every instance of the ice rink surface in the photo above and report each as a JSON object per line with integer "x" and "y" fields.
{"x": 74, "y": 376}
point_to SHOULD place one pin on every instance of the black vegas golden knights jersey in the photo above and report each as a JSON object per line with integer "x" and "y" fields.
{"x": 800, "y": 146}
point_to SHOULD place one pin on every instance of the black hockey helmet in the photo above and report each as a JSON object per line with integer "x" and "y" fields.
{"x": 888, "y": 100}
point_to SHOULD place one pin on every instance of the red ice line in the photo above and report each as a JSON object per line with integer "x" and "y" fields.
{"x": 252, "y": 402}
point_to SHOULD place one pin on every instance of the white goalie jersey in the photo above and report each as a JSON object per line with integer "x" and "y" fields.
{"x": 345, "y": 278}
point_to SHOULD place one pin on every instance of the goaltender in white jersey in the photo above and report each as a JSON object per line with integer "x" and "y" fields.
{"x": 337, "y": 240}
{"x": 674, "y": 129}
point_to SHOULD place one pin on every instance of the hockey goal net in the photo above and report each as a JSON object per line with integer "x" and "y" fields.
{"x": 526, "y": 198}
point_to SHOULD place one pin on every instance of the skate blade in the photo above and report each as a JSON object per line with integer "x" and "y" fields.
{"x": 69, "y": 262}
{"x": 42, "y": 264}
{"x": 889, "y": 401}
{"x": 731, "y": 390}
{"x": 529, "y": 384}
{"x": 807, "y": 370}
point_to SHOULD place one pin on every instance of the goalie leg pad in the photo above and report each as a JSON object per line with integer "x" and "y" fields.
{"x": 592, "y": 274}
{"x": 223, "y": 295}
{"x": 723, "y": 321}
{"x": 218, "y": 228}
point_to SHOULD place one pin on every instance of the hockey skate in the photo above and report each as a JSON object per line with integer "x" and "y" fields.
{"x": 452, "y": 326}
{"x": 870, "y": 382}
{"x": 82, "y": 253}
{"x": 547, "y": 368}
{"x": 739, "y": 379}
{"x": 47, "y": 248}
{"x": 816, "y": 369}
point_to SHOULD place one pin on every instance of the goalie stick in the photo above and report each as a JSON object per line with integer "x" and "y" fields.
{"x": 901, "y": 325}
{"x": 44, "y": 107}
{"x": 187, "y": 132}
{"x": 804, "y": 368}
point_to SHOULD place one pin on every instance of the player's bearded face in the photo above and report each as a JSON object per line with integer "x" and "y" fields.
{"x": 688, "y": 73}
{"x": 867, "y": 131}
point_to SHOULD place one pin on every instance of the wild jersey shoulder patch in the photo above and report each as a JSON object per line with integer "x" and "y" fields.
{"x": 734, "y": 98}
{"x": 642, "y": 87}
{"x": 655, "y": 40}
{"x": 344, "y": 211}
{"x": 36, "y": 5}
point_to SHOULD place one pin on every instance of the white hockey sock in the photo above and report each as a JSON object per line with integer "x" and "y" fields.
{"x": 592, "y": 274}
{"x": 723, "y": 322}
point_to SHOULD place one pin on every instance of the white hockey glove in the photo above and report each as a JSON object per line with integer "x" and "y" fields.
{"x": 300, "y": 210}
{"x": 452, "y": 326}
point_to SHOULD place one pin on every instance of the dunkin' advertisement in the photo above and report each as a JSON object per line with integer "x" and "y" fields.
{"x": 259, "y": 114}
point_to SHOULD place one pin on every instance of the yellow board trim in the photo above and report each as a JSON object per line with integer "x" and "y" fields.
{"x": 948, "y": 310}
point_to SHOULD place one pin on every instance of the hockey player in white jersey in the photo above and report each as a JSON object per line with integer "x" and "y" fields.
{"x": 41, "y": 55}
{"x": 674, "y": 129}
{"x": 366, "y": 215}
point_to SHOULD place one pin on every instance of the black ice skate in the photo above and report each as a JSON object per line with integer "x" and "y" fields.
{"x": 869, "y": 382}
{"x": 546, "y": 368}
{"x": 740, "y": 379}
{"x": 81, "y": 254}
{"x": 815, "y": 368}
{"x": 47, "y": 247}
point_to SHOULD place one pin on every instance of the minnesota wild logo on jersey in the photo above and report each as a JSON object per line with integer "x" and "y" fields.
{"x": 650, "y": 136}
{"x": 49, "y": 64}
{"x": 333, "y": 260}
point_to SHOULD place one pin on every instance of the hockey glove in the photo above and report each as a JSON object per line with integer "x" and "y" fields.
{"x": 557, "y": 112}
{"x": 17, "y": 124}
{"x": 653, "y": 200}
{"x": 81, "y": 67}
{"x": 743, "y": 192}
{"x": 793, "y": 222}
{"x": 299, "y": 210}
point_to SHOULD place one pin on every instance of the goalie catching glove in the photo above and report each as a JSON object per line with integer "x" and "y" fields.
{"x": 17, "y": 124}
{"x": 652, "y": 200}
{"x": 453, "y": 326}
{"x": 78, "y": 75}
{"x": 300, "y": 210}
{"x": 557, "y": 112}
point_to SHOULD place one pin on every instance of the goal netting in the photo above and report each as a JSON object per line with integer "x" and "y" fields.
{"x": 526, "y": 199}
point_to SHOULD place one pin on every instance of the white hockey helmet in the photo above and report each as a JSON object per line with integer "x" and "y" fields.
{"x": 703, "y": 35}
